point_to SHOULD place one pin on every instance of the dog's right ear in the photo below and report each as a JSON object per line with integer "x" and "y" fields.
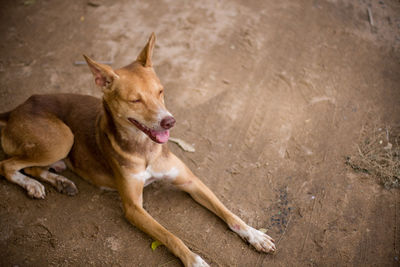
{"x": 145, "y": 56}
{"x": 103, "y": 75}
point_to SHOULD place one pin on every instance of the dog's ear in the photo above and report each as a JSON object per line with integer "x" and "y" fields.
{"x": 145, "y": 56}
{"x": 103, "y": 75}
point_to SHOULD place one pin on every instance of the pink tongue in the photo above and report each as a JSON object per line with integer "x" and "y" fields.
{"x": 161, "y": 136}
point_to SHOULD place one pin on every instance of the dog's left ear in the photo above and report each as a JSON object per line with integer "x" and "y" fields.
{"x": 103, "y": 75}
{"x": 145, "y": 56}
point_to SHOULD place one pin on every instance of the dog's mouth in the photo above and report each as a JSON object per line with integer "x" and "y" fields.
{"x": 157, "y": 136}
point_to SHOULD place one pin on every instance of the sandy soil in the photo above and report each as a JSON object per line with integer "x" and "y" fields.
{"x": 272, "y": 94}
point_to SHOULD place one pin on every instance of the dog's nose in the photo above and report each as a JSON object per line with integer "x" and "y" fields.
{"x": 168, "y": 122}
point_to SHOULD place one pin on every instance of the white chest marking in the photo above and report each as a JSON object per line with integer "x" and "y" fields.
{"x": 149, "y": 175}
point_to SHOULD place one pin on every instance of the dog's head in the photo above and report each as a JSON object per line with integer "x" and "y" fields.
{"x": 135, "y": 95}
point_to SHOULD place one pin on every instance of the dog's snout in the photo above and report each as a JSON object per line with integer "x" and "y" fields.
{"x": 168, "y": 122}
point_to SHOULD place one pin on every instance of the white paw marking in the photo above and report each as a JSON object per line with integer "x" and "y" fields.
{"x": 257, "y": 239}
{"x": 199, "y": 262}
{"x": 33, "y": 187}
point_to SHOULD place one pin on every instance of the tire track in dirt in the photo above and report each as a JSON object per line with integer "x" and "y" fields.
{"x": 290, "y": 89}
{"x": 257, "y": 118}
{"x": 238, "y": 95}
{"x": 209, "y": 160}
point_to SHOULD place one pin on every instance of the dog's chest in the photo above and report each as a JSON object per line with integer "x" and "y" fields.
{"x": 149, "y": 175}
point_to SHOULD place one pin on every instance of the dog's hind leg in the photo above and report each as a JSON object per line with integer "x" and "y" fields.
{"x": 10, "y": 169}
{"x": 35, "y": 140}
{"x": 61, "y": 183}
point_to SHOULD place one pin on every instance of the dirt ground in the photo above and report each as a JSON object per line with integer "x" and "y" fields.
{"x": 273, "y": 96}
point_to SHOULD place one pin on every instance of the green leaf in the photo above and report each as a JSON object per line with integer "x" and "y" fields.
{"x": 155, "y": 244}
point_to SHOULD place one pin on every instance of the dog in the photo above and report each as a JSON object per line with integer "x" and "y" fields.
{"x": 118, "y": 142}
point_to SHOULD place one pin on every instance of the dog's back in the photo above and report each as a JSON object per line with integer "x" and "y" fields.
{"x": 36, "y": 120}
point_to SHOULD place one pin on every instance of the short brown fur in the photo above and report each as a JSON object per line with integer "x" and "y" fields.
{"x": 99, "y": 141}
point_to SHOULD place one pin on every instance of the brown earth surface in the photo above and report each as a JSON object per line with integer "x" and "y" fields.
{"x": 273, "y": 95}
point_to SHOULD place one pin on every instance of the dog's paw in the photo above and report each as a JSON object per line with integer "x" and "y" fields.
{"x": 66, "y": 186}
{"x": 198, "y": 262}
{"x": 258, "y": 239}
{"x": 35, "y": 189}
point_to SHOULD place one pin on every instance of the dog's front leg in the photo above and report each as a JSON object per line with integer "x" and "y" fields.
{"x": 131, "y": 191}
{"x": 189, "y": 183}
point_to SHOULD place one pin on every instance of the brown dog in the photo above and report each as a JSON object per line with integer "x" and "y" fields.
{"x": 118, "y": 142}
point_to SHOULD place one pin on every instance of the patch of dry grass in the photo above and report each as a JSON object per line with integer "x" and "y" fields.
{"x": 378, "y": 154}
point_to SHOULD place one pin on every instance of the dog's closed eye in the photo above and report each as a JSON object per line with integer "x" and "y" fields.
{"x": 136, "y": 100}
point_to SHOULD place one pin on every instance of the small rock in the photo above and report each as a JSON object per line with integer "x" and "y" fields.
{"x": 93, "y": 4}
{"x": 388, "y": 146}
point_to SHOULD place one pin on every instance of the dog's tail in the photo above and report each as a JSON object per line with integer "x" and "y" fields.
{"x": 4, "y": 118}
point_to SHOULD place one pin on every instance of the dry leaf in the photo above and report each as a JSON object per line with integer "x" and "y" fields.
{"x": 185, "y": 146}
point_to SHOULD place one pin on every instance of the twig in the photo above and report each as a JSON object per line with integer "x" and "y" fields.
{"x": 359, "y": 151}
{"x": 371, "y": 19}
{"x": 387, "y": 134}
